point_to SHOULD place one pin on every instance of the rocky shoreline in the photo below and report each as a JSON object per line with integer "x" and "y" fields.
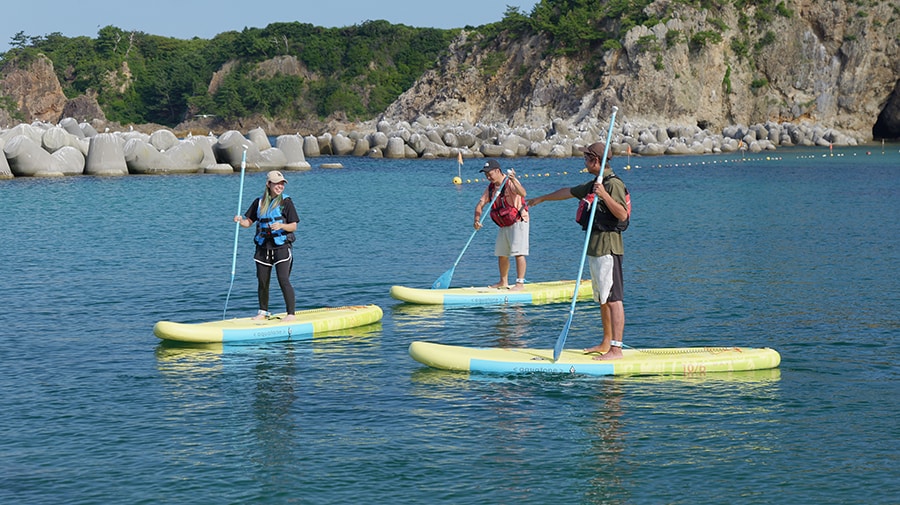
{"x": 72, "y": 148}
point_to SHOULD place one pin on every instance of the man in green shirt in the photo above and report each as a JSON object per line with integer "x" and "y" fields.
{"x": 605, "y": 247}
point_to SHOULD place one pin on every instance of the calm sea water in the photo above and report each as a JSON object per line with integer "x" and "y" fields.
{"x": 794, "y": 250}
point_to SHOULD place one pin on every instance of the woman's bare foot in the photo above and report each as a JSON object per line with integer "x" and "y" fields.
{"x": 597, "y": 348}
{"x": 614, "y": 353}
{"x": 518, "y": 287}
{"x": 260, "y": 315}
{"x": 499, "y": 285}
{"x": 289, "y": 317}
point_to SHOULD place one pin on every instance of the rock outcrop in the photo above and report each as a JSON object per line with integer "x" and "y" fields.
{"x": 35, "y": 89}
{"x": 85, "y": 108}
{"x": 38, "y": 95}
{"x": 823, "y": 62}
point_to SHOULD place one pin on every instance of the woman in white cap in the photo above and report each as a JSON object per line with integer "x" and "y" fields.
{"x": 276, "y": 221}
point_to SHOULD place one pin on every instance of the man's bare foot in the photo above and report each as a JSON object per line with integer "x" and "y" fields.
{"x": 600, "y": 348}
{"x": 518, "y": 287}
{"x": 499, "y": 285}
{"x": 260, "y": 315}
{"x": 613, "y": 353}
{"x": 289, "y": 317}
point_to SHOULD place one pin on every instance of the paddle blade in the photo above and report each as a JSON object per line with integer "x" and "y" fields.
{"x": 561, "y": 340}
{"x": 443, "y": 282}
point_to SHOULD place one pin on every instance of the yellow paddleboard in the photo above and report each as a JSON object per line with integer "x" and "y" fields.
{"x": 273, "y": 329}
{"x": 661, "y": 361}
{"x": 532, "y": 292}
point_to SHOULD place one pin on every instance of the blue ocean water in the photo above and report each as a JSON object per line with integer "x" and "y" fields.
{"x": 795, "y": 250}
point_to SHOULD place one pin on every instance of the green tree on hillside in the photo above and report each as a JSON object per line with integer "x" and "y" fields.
{"x": 357, "y": 70}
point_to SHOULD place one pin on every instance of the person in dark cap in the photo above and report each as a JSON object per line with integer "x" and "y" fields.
{"x": 510, "y": 213}
{"x": 605, "y": 246}
{"x": 276, "y": 221}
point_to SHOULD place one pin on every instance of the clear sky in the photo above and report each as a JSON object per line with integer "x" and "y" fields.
{"x": 185, "y": 19}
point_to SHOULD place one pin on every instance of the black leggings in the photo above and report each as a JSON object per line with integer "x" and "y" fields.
{"x": 283, "y": 261}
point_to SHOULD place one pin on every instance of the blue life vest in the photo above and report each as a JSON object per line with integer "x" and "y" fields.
{"x": 264, "y": 224}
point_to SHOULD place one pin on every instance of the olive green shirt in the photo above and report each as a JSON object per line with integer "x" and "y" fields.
{"x": 602, "y": 243}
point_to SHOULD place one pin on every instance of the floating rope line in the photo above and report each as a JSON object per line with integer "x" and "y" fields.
{"x": 525, "y": 176}
{"x": 713, "y": 159}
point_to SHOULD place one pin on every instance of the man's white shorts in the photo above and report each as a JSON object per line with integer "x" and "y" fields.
{"x": 512, "y": 240}
{"x": 602, "y": 278}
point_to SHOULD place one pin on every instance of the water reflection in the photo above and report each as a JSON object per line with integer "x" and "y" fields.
{"x": 339, "y": 340}
{"x": 700, "y": 425}
{"x": 277, "y": 434}
{"x": 517, "y": 422}
{"x": 418, "y": 316}
{"x": 608, "y": 437}
{"x": 512, "y": 325}
{"x": 250, "y": 399}
{"x": 436, "y": 323}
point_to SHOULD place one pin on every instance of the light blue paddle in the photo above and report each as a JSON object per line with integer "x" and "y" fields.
{"x": 237, "y": 228}
{"x": 561, "y": 340}
{"x": 443, "y": 282}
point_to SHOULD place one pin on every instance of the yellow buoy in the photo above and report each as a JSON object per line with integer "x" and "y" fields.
{"x": 457, "y": 181}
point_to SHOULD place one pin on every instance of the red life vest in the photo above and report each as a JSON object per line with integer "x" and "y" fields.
{"x": 604, "y": 220}
{"x": 502, "y": 212}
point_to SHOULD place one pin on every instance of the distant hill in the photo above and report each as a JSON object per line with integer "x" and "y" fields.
{"x": 286, "y": 71}
{"x": 706, "y": 63}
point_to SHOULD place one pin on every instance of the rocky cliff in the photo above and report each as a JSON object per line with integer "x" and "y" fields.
{"x": 835, "y": 63}
{"x": 37, "y": 95}
{"x": 35, "y": 90}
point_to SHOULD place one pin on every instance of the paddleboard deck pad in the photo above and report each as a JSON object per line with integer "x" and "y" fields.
{"x": 661, "y": 361}
{"x": 533, "y": 292}
{"x": 273, "y": 329}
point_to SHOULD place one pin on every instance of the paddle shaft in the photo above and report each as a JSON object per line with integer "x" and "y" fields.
{"x": 561, "y": 340}
{"x": 481, "y": 221}
{"x": 444, "y": 280}
{"x": 237, "y": 228}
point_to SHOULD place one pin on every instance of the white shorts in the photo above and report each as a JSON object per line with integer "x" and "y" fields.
{"x": 512, "y": 240}
{"x": 601, "y": 276}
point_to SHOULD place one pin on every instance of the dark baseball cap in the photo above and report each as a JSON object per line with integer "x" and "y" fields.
{"x": 490, "y": 165}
